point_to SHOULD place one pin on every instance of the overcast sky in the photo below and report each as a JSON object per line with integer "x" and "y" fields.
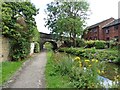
{"x": 101, "y": 10}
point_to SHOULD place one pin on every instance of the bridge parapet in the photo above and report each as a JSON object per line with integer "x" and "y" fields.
{"x": 44, "y": 37}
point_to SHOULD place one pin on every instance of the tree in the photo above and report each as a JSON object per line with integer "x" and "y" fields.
{"x": 18, "y": 24}
{"x": 67, "y": 18}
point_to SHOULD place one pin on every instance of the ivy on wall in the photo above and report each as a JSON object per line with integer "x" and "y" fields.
{"x": 18, "y": 24}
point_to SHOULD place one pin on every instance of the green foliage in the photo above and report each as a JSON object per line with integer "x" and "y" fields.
{"x": 37, "y": 47}
{"x": 18, "y": 25}
{"x": 36, "y": 35}
{"x": 48, "y": 46}
{"x": 58, "y": 81}
{"x": 79, "y": 76}
{"x": 19, "y": 49}
{"x": 85, "y": 78}
{"x": 63, "y": 64}
{"x": 65, "y": 19}
{"x": 89, "y": 43}
{"x": 113, "y": 44}
{"x": 80, "y": 73}
{"x": 102, "y": 55}
{"x": 80, "y": 43}
{"x": 99, "y": 44}
{"x": 8, "y": 69}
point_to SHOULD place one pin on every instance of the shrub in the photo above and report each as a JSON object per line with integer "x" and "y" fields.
{"x": 80, "y": 77}
{"x": 89, "y": 44}
{"x": 37, "y": 48}
{"x": 92, "y": 53}
{"x": 113, "y": 45}
{"x": 99, "y": 44}
{"x": 62, "y": 63}
{"x": 80, "y": 43}
{"x": 19, "y": 49}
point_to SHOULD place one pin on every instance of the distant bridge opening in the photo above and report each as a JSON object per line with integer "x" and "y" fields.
{"x": 47, "y": 38}
{"x": 50, "y": 45}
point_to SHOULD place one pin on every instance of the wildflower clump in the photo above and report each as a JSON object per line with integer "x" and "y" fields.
{"x": 80, "y": 64}
{"x": 77, "y": 59}
{"x": 94, "y": 60}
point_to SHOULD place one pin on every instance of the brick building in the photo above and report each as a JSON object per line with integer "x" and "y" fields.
{"x": 104, "y": 30}
{"x": 112, "y": 30}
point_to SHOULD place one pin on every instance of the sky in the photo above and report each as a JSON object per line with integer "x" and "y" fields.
{"x": 100, "y": 10}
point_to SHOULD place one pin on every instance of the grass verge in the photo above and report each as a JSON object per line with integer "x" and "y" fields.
{"x": 54, "y": 79}
{"x": 7, "y": 69}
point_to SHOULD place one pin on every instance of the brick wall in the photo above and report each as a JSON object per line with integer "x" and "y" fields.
{"x": 119, "y": 32}
{"x": 101, "y": 25}
{"x": 112, "y": 32}
{"x": 4, "y": 49}
{"x": 92, "y": 34}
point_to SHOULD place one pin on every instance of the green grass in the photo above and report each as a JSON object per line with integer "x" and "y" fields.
{"x": 54, "y": 79}
{"x": 7, "y": 69}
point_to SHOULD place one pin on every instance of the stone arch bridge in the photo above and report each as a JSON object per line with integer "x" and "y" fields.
{"x": 44, "y": 37}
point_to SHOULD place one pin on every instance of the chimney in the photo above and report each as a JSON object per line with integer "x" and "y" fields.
{"x": 119, "y": 9}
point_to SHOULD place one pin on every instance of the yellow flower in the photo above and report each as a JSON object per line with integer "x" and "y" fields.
{"x": 98, "y": 71}
{"x": 77, "y": 58}
{"x": 90, "y": 65}
{"x": 80, "y": 62}
{"x": 102, "y": 72}
{"x": 80, "y": 65}
{"x": 93, "y": 60}
{"x": 87, "y": 60}
{"x": 83, "y": 50}
{"x": 96, "y": 61}
{"x": 117, "y": 76}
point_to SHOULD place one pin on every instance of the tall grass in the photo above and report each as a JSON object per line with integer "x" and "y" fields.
{"x": 54, "y": 79}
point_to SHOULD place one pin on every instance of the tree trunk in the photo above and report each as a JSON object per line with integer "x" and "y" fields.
{"x": 74, "y": 39}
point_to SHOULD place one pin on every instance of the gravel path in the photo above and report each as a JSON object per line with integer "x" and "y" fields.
{"x": 31, "y": 75}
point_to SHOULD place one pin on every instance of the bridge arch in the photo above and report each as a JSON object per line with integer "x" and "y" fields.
{"x": 54, "y": 44}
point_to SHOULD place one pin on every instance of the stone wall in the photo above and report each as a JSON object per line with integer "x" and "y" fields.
{"x": 4, "y": 48}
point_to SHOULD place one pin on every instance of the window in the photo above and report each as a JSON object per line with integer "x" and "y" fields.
{"x": 116, "y": 38}
{"x": 107, "y": 31}
{"x": 107, "y": 38}
{"x": 90, "y": 30}
{"x": 94, "y": 30}
{"x": 116, "y": 27}
{"x": 95, "y": 37}
{"x": 90, "y": 37}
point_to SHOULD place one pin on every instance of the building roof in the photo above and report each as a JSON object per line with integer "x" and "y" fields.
{"x": 115, "y": 22}
{"x": 95, "y": 25}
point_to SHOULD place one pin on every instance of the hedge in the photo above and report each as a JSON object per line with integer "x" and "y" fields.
{"x": 91, "y": 53}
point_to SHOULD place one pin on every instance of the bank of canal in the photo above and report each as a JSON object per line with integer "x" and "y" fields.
{"x": 112, "y": 72}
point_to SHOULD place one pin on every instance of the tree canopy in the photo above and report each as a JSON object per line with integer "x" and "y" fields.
{"x": 18, "y": 24}
{"x": 67, "y": 18}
